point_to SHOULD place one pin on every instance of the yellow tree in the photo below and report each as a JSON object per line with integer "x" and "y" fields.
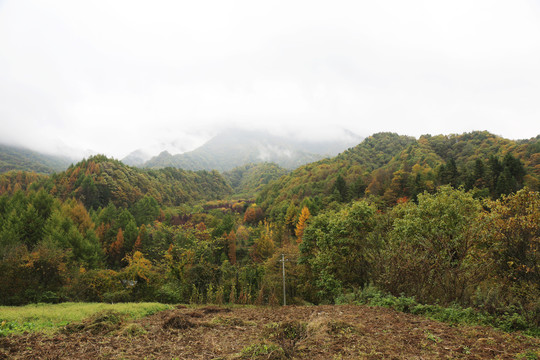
{"x": 138, "y": 268}
{"x": 302, "y": 223}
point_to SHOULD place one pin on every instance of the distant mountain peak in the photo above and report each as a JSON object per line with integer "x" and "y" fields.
{"x": 236, "y": 147}
{"x": 136, "y": 158}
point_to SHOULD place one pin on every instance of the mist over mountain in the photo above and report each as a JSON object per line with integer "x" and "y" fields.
{"x": 136, "y": 158}
{"x": 20, "y": 158}
{"x": 235, "y": 147}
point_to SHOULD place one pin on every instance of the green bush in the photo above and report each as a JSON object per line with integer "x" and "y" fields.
{"x": 117, "y": 296}
{"x": 513, "y": 319}
{"x": 169, "y": 293}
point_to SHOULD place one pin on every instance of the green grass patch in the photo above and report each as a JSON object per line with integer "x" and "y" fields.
{"x": 262, "y": 351}
{"x": 48, "y": 318}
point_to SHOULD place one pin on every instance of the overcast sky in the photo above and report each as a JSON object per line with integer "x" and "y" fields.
{"x": 114, "y": 76}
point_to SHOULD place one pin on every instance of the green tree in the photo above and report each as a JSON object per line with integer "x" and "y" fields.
{"x": 429, "y": 247}
{"x": 145, "y": 210}
{"x": 337, "y": 248}
{"x": 341, "y": 187}
{"x": 291, "y": 217}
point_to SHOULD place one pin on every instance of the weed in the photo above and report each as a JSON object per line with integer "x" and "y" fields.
{"x": 133, "y": 329}
{"x": 511, "y": 320}
{"x": 263, "y": 350}
{"x": 433, "y": 337}
{"x": 101, "y": 323}
{"x": 529, "y": 355}
{"x": 340, "y": 327}
{"x": 287, "y": 334}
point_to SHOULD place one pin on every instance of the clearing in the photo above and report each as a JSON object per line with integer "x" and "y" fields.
{"x": 291, "y": 332}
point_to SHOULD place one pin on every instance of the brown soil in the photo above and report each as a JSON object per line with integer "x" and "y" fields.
{"x": 317, "y": 332}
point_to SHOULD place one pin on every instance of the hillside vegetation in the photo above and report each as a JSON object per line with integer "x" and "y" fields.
{"x": 99, "y": 180}
{"x": 248, "y": 180}
{"x": 443, "y": 220}
{"x": 16, "y": 158}
{"x": 387, "y": 167}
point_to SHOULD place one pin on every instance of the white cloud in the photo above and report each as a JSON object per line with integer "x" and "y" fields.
{"x": 113, "y": 76}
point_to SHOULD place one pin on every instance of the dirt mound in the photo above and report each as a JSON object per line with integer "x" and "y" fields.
{"x": 103, "y": 322}
{"x": 215, "y": 310}
{"x": 195, "y": 314}
{"x": 180, "y": 322}
{"x": 288, "y": 335}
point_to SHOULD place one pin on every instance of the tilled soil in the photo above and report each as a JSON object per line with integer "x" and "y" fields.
{"x": 314, "y": 332}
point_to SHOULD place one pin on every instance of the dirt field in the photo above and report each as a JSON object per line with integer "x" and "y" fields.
{"x": 318, "y": 332}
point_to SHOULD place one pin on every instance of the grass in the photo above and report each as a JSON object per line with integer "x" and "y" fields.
{"x": 48, "y": 318}
{"x": 454, "y": 314}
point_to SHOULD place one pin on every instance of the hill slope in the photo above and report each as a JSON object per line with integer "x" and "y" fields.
{"x": 99, "y": 180}
{"x": 248, "y": 180}
{"x": 16, "y": 158}
{"x": 391, "y": 166}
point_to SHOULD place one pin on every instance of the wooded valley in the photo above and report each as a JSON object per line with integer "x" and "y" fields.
{"x": 447, "y": 220}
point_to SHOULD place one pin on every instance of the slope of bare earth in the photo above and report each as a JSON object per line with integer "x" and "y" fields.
{"x": 315, "y": 332}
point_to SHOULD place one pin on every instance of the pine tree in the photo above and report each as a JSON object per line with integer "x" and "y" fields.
{"x": 291, "y": 216}
{"x": 341, "y": 186}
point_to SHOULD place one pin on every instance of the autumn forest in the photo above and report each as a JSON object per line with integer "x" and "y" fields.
{"x": 449, "y": 220}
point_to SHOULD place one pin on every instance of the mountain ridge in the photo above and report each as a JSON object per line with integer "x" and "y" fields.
{"x": 232, "y": 148}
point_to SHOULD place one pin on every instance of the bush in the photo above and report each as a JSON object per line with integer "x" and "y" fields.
{"x": 169, "y": 294}
{"x": 512, "y": 319}
{"x": 117, "y": 296}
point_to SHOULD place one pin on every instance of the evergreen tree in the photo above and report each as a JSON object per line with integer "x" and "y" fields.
{"x": 291, "y": 217}
{"x": 341, "y": 186}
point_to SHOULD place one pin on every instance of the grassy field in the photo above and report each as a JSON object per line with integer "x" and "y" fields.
{"x": 47, "y": 318}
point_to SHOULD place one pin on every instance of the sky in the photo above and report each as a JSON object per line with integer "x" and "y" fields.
{"x": 80, "y": 77}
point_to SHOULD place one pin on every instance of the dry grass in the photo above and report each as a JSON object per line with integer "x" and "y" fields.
{"x": 317, "y": 332}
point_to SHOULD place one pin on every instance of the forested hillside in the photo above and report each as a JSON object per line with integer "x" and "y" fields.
{"x": 248, "y": 180}
{"x": 446, "y": 220}
{"x": 15, "y": 158}
{"x": 99, "y": 180}
{"x": 388, "y": 167}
